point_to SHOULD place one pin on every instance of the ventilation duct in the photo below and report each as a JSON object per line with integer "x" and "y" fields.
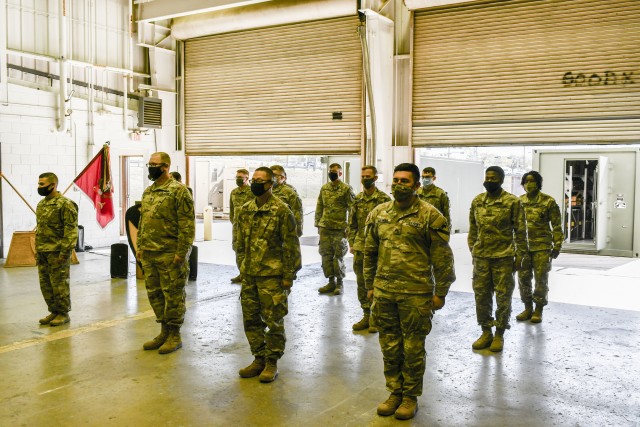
{"x": 150, "y": 113}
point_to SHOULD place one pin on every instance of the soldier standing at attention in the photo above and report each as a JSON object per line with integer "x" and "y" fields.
{"x": 544, "y": 231}
{"x": 288, "y": 195}
{"x": 238, "y": 197}
{"x": 176, "y": 175}
{"x": 334, "y": 201}
{"x": 408, "y": 269}
{"x": 268, "y": 253}
{"x": 498, "y": 243}
{"x": 433, "y": 195}
{"x": 165, "y": 237}
{"x": 56, "y": 236}
{"x": 369, "y": 198}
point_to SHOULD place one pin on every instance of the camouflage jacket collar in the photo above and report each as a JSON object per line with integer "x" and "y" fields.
{"x": 492, "y": 201}
{"x": 539, "y": 197}
{"x": 253, "y": 206}
{"x": 377, "y": 192}
{"x": 397, "y": 214}
{"x": 159, "y": 187}
{"x": 429, "y": 189}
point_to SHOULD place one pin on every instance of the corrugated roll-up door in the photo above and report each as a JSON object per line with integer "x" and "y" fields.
{"x": 527, "y": 72}
{"x": 294, "y": 89}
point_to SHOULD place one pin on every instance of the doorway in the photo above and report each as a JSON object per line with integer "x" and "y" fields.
{"x": 584, "y": 181}
{"x": 133, "y": 184}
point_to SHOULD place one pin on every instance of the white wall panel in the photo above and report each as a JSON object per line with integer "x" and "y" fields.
{"x": 32, "y": 26}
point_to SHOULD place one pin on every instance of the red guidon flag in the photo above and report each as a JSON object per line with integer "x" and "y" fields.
{"x": 95, "y": 182}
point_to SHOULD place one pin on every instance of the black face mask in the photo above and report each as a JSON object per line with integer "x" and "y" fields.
{"x": 333, "y": 176}
{"x": 155, "y": 172}
{"x": 492, "y": 187}
{"x": 258, "y": 188}
{"x": 239, "y": 182}
{"x": 368, "y": 183}
{"x": 44, "y": 191}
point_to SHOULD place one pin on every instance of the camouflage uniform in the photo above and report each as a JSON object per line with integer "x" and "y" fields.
{"x": 56, "y": 236}
{"x": 362, "y": 205}
{"x": 238, "y": 197}
{"x": 438, "y": 198}
{"x": 497, "y": 233}
{"x": 407, "y": 259}
{"x": 268, "y": 252}
{"x": 334, "y": 202}
{"x": 544, "y": 230}
{"x": 290, "y": 197}
{"x": 167, "y": 229}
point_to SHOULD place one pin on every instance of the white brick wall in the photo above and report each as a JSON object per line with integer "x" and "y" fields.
{"x": 30, "y": 146}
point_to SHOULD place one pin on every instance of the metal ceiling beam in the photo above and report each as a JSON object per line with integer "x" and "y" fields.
{"x": 156, "y": 10}
{"x": 262, "y": 15}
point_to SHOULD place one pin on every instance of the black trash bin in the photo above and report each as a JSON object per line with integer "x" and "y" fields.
{"x": 119, "y": 261}
{"x": 80, "y": 242}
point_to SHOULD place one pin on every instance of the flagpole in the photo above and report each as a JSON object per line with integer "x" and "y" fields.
{"x": 67, "y": 189}
{"x": 17, "y": 192}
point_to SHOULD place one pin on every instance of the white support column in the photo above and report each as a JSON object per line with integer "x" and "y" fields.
{"x": 4, "y": 77}
{"x": 380, "y": 41}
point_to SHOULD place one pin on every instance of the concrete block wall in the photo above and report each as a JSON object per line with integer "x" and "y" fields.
{"x": 31, "y": 145}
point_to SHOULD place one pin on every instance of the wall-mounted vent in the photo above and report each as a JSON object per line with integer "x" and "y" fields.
{"x": 150, "y": 113}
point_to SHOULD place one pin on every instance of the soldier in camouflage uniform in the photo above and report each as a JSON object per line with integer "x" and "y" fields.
{"x": 238, "y": 197}
{"x": 56, "y": 236}
{"x": 408, "y": 269}
{"x": 334, "y": 201}
{"x": 498, "y": 243}
{"x": 165, "y": 237}
{"x": 544, "y": 231}
{"x": 178, "y": 177}
{"x": 369, "y": 198}
{"x": 288, "y": 195}
{"x": 268, "y": 253}
{"x": 433, "y": 195}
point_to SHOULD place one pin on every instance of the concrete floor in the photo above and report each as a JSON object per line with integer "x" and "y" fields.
{"x": 579, "y": 367}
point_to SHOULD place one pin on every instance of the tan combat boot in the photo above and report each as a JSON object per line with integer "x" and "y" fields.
{"x": 373, "y": 329}
{"x": 338, "y": 289}
{"x": 173, "y": 342}
{"x": 48, "y": 319}
{"x": 389, "y": 406}
{"x": 328, "y": 288}
{"x": 270, "y": 371}
{"x": 254, "y": 369}
{"x": 537, "y": 314}
{"x": 526, "y": 314}
{"x": 237, "y": 279}
{"x": 362, "y": 323}
{"x": 60, "y": 319}
{"x": 498, "y": 341}
{"x": 485, "y": 339}
{"x": 155, "y": 343}
{"x": 408, "y": 408}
